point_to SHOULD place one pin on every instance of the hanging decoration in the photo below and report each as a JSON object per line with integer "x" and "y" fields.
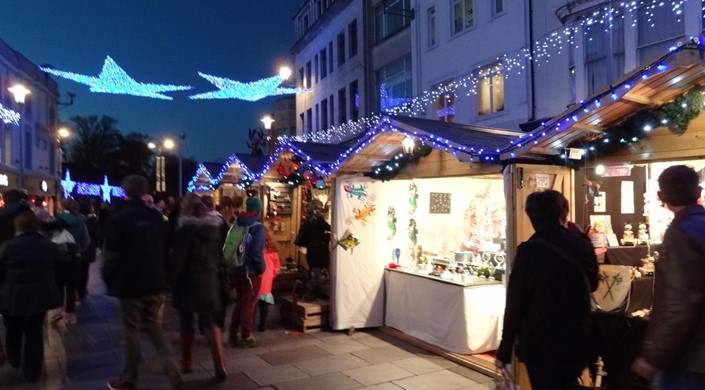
{"x": 388, "y": 170}
{"x": 113, "y": 79}
{"x": 413, "y": 231}
{"x": 413, "y": 197}
{"x": 359, "y": 192}
{"x": 252, "y": 91}
{"x": 9, "y": 116}
{"x": 391, "y": 222}
{"x": 362, "y": 214}
{"x": 348, "y": 241}
{"x": 674, "y": 115}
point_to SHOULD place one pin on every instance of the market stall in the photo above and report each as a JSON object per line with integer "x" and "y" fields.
{"x": 421, "y": 236}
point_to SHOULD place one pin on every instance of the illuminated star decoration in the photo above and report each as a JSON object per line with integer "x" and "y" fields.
{"x": 253, "y": 91}
{"x": 67, "y": 184}
{"x": 113, "y": 79}
{"x": 9, "y": 116}
{"x": 107, "y": 189}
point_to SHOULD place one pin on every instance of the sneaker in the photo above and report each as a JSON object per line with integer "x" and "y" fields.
{"x": 250, "y": 342}
{"x": 119, "y": 384}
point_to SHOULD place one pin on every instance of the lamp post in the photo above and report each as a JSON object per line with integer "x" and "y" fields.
{"x": 182, "y": 138}
{"x": 61, "y": 134}
{"x": 20, "y": 92}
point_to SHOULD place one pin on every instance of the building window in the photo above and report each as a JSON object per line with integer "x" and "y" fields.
{"x": 341, "y": 49}
{"x": 431, "y": 25}
{"x": 324, "y": 64}
{"x": 28, "y": 148}
{"x": 330, "y": 57}
{"x": 309, "y": 120}
{"x": 7, "y": 146}
{"x": 392, "y": 16}
{"x": 342, "y": 117}
{"x": 657, "y": 29}
{"x": 463, "y": 15}
{"x": 497, "y": 7}
{"x": 324, "y": 114}
{"x": 352, "y": 38}
{"x": 490, "y": 89}
{"x": 318, "y": 119}
{"x": 332, "y": 111}
{"x": 601, "y": 67}
{"x": 395, "y": 84}
{"x": 301, "y": 77}
{"x": 303, "y": 122}
{"x": 444, "y": 106}
{"x": 308, "y": 75}
{"x": 354, "y": 101}
{"x": 52, "y": 160}
{"x": 315, "y": 68}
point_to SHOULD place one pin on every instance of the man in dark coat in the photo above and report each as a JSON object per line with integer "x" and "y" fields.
{"x": 674, "y": 346}
{"x": 135, "y": 272}
{"x": 548, "y": 297}
{"x": 28, "y": 289}
{"x": 314, "y": 235}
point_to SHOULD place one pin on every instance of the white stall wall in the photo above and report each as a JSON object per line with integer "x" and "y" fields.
{"x": 358, "y": 278}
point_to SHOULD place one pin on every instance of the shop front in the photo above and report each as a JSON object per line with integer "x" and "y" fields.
{"x": 420, "y": 233}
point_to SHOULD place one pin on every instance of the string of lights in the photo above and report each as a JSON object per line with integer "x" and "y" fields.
{"x": 9, "y": 116}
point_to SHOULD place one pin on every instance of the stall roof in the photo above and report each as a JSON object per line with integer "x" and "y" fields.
{"x": 656, "y": 83}
{"x": 465, "y": 142}
{"x": 316, "y": 152}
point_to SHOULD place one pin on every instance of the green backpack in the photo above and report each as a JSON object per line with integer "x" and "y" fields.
{"x": 234, "y": 247}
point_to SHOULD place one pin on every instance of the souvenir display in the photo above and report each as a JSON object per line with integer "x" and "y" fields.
{"x": 643, "y": 234}
{"x": 363, "y": 213}
{"x": 359, "y": 192}
{"x": 628, "y": 237}
{"x": 413, "y": 197}
{"x": 413, "y": 231}
{"x": 391, "y": 222}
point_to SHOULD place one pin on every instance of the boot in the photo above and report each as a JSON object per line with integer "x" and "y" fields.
{"x": 263, "y": 311}
{"x": 215, "y": 341}
{"x": 187, "y": 341}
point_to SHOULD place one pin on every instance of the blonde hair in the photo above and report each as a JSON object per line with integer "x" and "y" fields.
{"x": 192, "y": 206}
{"x": 269, "y": 241}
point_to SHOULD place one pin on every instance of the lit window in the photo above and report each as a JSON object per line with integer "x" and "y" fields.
{"x": 444, "y": 106}
{"x": 463, "y": 15}
{"x": 490, "y": 89}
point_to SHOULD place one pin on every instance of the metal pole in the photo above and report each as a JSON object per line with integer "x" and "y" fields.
{"x": 20, "y": 181}
{"x": 182, "y": 137}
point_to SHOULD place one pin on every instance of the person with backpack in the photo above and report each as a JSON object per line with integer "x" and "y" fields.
{"x": 246, "y": 241}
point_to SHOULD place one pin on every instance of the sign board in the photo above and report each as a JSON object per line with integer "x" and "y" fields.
{"x": 542, "y": 181}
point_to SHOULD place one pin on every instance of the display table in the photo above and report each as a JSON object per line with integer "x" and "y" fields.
{"x": 459, "y": 317}
{"x": 628, "y": 255}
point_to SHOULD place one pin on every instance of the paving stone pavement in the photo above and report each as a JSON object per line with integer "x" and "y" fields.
{"x": 88, "y": 354}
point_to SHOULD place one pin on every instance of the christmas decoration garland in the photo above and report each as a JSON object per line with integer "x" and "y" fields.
{"x": 389, "y": 169}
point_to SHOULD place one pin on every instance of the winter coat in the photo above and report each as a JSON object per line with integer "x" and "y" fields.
{"x": 314, "y": 235}
{"x": 7, "y": 219}
{"x": 548, "y": 305}
{"x": 28, "y": 266}
{"x": 93, "y": 229}
{"x": 135, "y": 254}
{"x": 75, "y": 225}
{"x": 675, "y": 339}
{"x": 254, "y": 250}
{"x": 271, "y": 258}
{"x": 195, "y": 260}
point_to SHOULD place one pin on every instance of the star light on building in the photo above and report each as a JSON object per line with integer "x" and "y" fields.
{"x": 113, "y": 79}
{"x": 9, "y": 116}
{"x": 252, "y": 91}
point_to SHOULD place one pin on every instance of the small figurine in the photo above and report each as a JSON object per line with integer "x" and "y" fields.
{"x": 643, "y": 234}
{"x": 413, "y": 197}
{"x": 391, "y": 222}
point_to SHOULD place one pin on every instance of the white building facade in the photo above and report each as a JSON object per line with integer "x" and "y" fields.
{"x": 38, "y": 123}
{"x": 329, "y": 60}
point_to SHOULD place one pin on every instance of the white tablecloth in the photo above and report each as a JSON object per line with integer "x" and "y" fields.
{"x": 460, "y": 319}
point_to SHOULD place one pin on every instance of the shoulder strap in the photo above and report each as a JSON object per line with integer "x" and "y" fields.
{"x": 565, "y": 255}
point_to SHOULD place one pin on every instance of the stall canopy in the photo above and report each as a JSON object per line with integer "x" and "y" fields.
{"x": 590, "y": 125}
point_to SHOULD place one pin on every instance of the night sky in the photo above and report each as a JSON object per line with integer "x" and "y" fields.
{"x": 165, "y": 42}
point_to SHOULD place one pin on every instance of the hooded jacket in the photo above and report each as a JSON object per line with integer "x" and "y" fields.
{"x": 134, "y": 251}
{"x": 77, "y": 227}
{"x": 194, "y": 264}
{"x": 254, "y": 248}
{"x": 675, "y": 339}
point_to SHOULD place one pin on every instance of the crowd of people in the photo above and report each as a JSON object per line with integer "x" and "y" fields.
{"x": 151, "y": 250}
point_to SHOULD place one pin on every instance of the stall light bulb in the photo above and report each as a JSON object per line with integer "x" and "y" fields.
{"x": 647, "y": 128}
{"x": 600, "y": 170}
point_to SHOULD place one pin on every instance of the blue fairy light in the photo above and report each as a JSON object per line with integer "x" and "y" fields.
{"x": 9, "y": 116}
{"x": 252, "y": 91}
{"x": 113, "y": 79}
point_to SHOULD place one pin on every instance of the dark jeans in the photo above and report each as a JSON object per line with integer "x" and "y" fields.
{"x": 30, "y": 330}
{"x": 557, "y": 379}
{"x": 144, "y": 314}
{"x": 679, "y": 380}
{"x": 83, "y": 279}
{"x": 244, "y": 311}
{"x": 205, "y": 321}
{"x": 68, "y": 281}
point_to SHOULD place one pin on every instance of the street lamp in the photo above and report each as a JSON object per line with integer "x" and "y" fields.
{"x": 267, "y": 120}
{"x": 20, "y": 92}
{"x": 61, "y": 134}
{"x": 285, "y": 72}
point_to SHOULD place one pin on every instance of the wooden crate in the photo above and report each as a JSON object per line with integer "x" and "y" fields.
{"x": 309, "y": 316}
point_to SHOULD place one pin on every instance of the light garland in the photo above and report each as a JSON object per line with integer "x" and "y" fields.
{"x": 201, "y": 170}
{"x": 9, "y": 116}
{"x": 252, "y": 91}
{"x": 89, "y": 189}
{"x": 113, "y": 79}
{"x": 514, "y": 63}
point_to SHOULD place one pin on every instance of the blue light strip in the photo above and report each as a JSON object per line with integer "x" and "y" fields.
{"x": 9, "y": 116}
{"x": 90, "y": 189}
{"x": 113, "y": 79}
{"x": 201, "y": 170}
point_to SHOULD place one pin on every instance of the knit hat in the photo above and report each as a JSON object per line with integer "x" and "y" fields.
{"x": 253, "y": 204}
